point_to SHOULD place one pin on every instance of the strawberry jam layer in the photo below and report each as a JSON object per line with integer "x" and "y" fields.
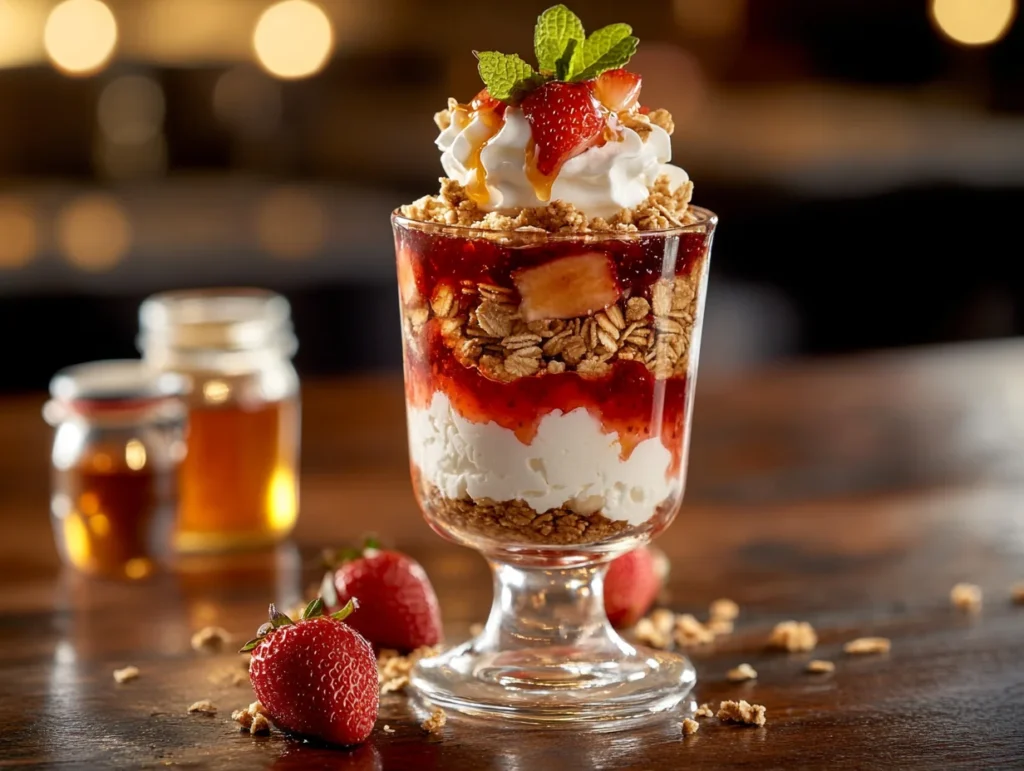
{"x": 628, "y": 401}
{"x": 639, "y": 260}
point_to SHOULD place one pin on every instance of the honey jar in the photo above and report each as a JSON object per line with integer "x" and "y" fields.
{"x": 238, "y": 482}
{"x": 117, "y": 447}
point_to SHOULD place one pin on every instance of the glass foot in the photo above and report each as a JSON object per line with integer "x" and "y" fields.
{"x": 548, "y": 656}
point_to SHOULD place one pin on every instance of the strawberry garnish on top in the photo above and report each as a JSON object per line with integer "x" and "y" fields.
{"x": 564, "y": 121}
{"x": 316, "y": 677}
{"x": 618, "y": 90}
{"x": 400, "y": 607}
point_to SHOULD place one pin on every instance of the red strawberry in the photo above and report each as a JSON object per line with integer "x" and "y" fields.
{"x": 484, "y": 101}
{"x": 618, "y": 90}
{"x": 630, "y": 587}
{"x": 564, "y": 121}
{"x": 316, "y": 677}
{"x": 401, "y": 608}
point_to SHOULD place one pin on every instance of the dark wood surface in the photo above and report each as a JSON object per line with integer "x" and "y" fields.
{"x": 851, "y": 493}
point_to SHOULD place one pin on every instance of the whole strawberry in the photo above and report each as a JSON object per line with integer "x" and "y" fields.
{"x": 400, "y": 608}
{"x": 316, "y": 677}
{"x": 564, "y": 121}
{"x": 631, "y": 586}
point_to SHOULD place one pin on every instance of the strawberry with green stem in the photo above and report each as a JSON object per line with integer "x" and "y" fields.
{"x": 316, "y": 677}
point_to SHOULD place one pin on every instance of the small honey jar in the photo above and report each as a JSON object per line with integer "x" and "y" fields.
{"x": 239, "y": 486}
{"x": 117, "y": 448}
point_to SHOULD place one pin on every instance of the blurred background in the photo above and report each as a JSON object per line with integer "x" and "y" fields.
{"x": 866, "y": 158}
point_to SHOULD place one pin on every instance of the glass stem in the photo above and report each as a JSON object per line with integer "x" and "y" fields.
{"x": 547, "y": 607}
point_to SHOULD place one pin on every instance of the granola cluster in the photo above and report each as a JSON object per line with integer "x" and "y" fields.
{"x": 663, "y": 209}
{"x": 517, "y": 521}
{"x": 482, "y": 325}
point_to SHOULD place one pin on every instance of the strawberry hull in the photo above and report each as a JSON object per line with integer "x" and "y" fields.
{"x": 549, "y": 381}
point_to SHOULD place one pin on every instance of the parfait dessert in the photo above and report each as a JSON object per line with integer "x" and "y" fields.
{"x": 551, "y": 299}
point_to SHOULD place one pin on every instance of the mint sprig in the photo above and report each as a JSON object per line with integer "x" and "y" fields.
{"x": 606, "y": 49}
{"x": 555, "y": 28}
{"x": 503, "y": 74}
{"x": 564, "y": 53}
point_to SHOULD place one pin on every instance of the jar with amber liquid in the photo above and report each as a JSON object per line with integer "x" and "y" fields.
{"x": 117, "y": 447}
{"x": 238, "y": 484}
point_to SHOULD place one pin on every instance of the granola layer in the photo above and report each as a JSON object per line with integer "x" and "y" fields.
{"x": 662, "y": 210}
{"x": 483, "y": 326}
{"x": 516, "y": 522}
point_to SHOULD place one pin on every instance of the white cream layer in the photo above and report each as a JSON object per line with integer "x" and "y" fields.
{"x": 571, "y": 463}
{"x": 600, "y": 181}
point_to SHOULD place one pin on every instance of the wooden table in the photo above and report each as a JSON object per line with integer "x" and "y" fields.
{"x": 851, "y": 493}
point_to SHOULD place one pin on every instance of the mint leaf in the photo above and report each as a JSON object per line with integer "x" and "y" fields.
{"x": 555, "y": 28}
{"x": 503, "y": 74}
{"x": 564, "y": 65}
{"x": 606, "y": 49}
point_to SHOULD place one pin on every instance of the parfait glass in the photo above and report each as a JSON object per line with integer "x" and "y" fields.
{"x": 549, "y": 386}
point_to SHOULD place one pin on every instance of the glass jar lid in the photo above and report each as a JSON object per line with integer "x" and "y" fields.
{"x": 113, "y": 385}
{"x": 216, "y": 319}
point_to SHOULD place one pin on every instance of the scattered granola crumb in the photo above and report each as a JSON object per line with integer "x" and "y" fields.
{"x": 476, "y": 629}
{"x": 210, "y": 639}
{"x": 393, "y": 669}
{"x": 257, "y": 708}
{"x": 864, "y": 645}
{"x": 724, "y": 609}
{"x": 260, "y": 725}
{"x": 704, "y": 710}
{"x": 742, "y": 672}
{"x": 966, "y": 597}
{"x": 793, "y": 636}
{"x": 689, "y": 631}
{"x": 388, "y": 729}
{"x": 664, "y": 620}
{"x": 203, "y": 707}
{"x": 243, "y": 717}
{"x": 646, "y": 632}
{"x": 742, "y": 712}
{"x": 1017, "y": 593}
{"x": 229, "y": 676}
{"x": 690, "y": 727}
{"x": 434, "y": 723}
{"x": 820, "y": 667}
{"x": 126, "y": 674}
{"x": 720, "y": 626}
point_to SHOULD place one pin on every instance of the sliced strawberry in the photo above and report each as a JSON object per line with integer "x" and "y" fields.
{"x": 408, "y": 291}
{"x": 564, "y": 121}
{"x": 484, "y": 101}
{"x": 567, "y": 287}
{"x": 618, "y": 90}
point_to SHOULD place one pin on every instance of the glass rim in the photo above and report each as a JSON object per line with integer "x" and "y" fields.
{"x": 707, "y": 220}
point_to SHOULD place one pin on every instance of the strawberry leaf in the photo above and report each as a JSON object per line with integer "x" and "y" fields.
{"x": 314, "y": 609}
{"x": 503, "y": 74}
{"x": 250, "y": 645}
{"x": 278, "y": 619}
{"x": 606, "y": 49}
{"x": 564, "y": 65}
{"x": 555, "y": 28}
{"x": 350, "y": 607}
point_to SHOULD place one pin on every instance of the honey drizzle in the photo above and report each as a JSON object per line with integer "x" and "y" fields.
{"x": 477, "y": 187}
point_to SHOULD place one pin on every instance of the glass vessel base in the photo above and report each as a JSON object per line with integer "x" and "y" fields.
{"x": 548, "y": 656}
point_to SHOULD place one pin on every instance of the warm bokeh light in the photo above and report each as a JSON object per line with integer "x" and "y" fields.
{"x": 282, "y": 500}
{"x": 131, "y": 109}
{"x": 19, "y": 233}
{"x": 216, "y": 391}
{"x": 710, "y": 18}
{"x": 93, "y": 232}
{"x": 135, "y": 454}
{"x": 80, "y": 36}
{"x": 248, "y": 101}
{"x": 291, "y": 223}
{"x": 293, "y": 39}
{"x": 973, "y": 22}
{"x": 20, "y": 41}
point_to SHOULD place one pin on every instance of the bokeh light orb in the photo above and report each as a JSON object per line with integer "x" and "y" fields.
{"x": 293, "y": 39}
{"x": 973, "y": 22}
{"x": 80, "y": 36}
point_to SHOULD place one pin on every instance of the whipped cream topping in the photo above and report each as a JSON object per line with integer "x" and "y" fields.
{"x": 571, "y": 462}
{"x": 600, "y": 181}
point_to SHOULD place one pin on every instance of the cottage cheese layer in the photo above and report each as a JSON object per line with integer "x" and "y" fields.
{"x": 571, "y": 463}
{"x": 601, "y": 181}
